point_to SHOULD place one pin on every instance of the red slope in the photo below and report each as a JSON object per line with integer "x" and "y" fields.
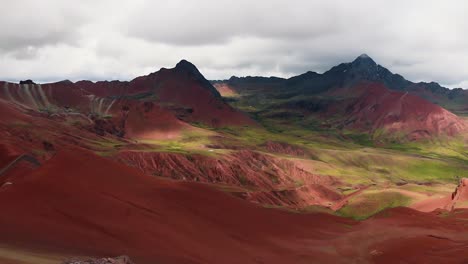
{"x": 9, "y": 115}
{"x": 147, "y": 107}
{"x": 131, "y": 118}
{"x": 101, "y": 207}
{"x": 402, "y": 235}
{"x": 82, "y": 203}
{"x": 401, "y": 114}
{"x": 7, "y": 155}
{"x": 458, "y": 199}
{"x": 46, "y": 96}
{"x": 182, "y": 89}
{"x": 135, "y": 120}
{"x": 269, "y": 180}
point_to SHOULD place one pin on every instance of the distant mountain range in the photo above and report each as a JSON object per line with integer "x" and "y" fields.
{"x": 160, "y": 102}
{"x": 105, "y": 168}
{"x": 359, "y": 95}
{"x": 363, "y": 68}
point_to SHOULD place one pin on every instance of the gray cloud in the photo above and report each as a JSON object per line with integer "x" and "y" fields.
{"x": 121, "y": 39}
{"x": 26, "y": 24}
{"x": 217, "y": 22}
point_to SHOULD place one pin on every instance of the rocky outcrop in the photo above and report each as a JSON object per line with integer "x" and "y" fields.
{"x": 285, "y": 148}
{"x": 27, "y": 82}
{"x": 240, "y": 168}
{"x": 265, "y": 179}
{"x": 459, "y": 196}
{"x": 117, "y": 260}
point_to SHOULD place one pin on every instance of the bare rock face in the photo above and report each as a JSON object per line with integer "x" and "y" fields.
{"x": 285, "y": 148}
{"x": 117, "y": 260}
{"x": 459, "y": 196}
{"x": 276, "y": 181}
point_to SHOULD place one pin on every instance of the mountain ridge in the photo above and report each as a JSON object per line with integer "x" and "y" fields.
{"x": 348, "y": 74}
{"x": 357, "y": 60}
{"x": 166, "y": 96}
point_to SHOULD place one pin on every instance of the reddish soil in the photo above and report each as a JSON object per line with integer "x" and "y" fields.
{"x": 155, "y": 106}
{"x": 225, "y": 89}
{"x": 458, "y": 199}
{"x": 182, "y": 89}
{"x": 77, "y": 202}
{"x": 63, "y": 94}
{"x": 140, "y": 120}
{"x": 422, "y": 90}
{"x": 270, "y": 180}
{"x": 432, "y": 204}
{"x": 285, "y": 148}
{"x": 104, "y": 208}
{"x": 400, "y": 113}
{"x": 408, "y": 236}
{"x": 17, "y": 169}
{"x": 344, "y": 201}
{"x": 24, "y": 131}
{"x": 7, "y": 155}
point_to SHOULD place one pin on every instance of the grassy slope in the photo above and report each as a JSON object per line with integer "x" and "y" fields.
{"x": 358, "y": 159}
{"x": 331, "y": 155}
{"x": 424, "y": 167}
{"x": 351, "y": 153}
{"x": 351, "y": 156}
{"x": 368, "y": 204}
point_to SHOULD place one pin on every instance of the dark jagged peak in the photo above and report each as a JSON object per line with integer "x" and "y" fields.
{"x": 186, "y": 66}
{"x": 364, "y": 56}
{"x": 364, "y": 61}
{"x": 188, "y": 69}
{"x": 27, "y": 82}
{"x": 310, "y": 75}
{"x": 364, "y": 68}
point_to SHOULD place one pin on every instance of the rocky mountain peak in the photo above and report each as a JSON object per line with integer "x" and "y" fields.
{"x": 364, "y": 61}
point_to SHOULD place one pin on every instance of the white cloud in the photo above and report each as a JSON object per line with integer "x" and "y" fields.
{"x": 49, "y": 40}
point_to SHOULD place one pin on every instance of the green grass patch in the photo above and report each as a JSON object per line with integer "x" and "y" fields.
{"x": 371, "y": 203}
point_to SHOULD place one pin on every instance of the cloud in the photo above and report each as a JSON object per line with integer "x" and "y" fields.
{"x": 33, "y": 24}
{"x": 217, "y": 22}
{"x": 121, "y": 39}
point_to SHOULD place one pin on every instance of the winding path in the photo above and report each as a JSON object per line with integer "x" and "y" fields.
{"x": 337, "y": 206}
{"x": 24, "y": 157}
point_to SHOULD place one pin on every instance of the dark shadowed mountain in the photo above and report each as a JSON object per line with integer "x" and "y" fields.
{"x": 363, "y": 68}
{"x": 360, "y": 95}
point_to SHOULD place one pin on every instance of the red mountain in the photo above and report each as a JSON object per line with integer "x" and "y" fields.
{"x": 183, "y": 90}
{"x": 162, "y": 102}
{"x": 359, "y": 95}
{"x": 389, "y": 113}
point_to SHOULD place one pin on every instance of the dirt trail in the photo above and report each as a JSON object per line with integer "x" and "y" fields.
{"x": 344, "y": 201}
{"x": 28, "y": 158}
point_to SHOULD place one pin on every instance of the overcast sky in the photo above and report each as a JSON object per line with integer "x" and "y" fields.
{"x": 52, "y": 40}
